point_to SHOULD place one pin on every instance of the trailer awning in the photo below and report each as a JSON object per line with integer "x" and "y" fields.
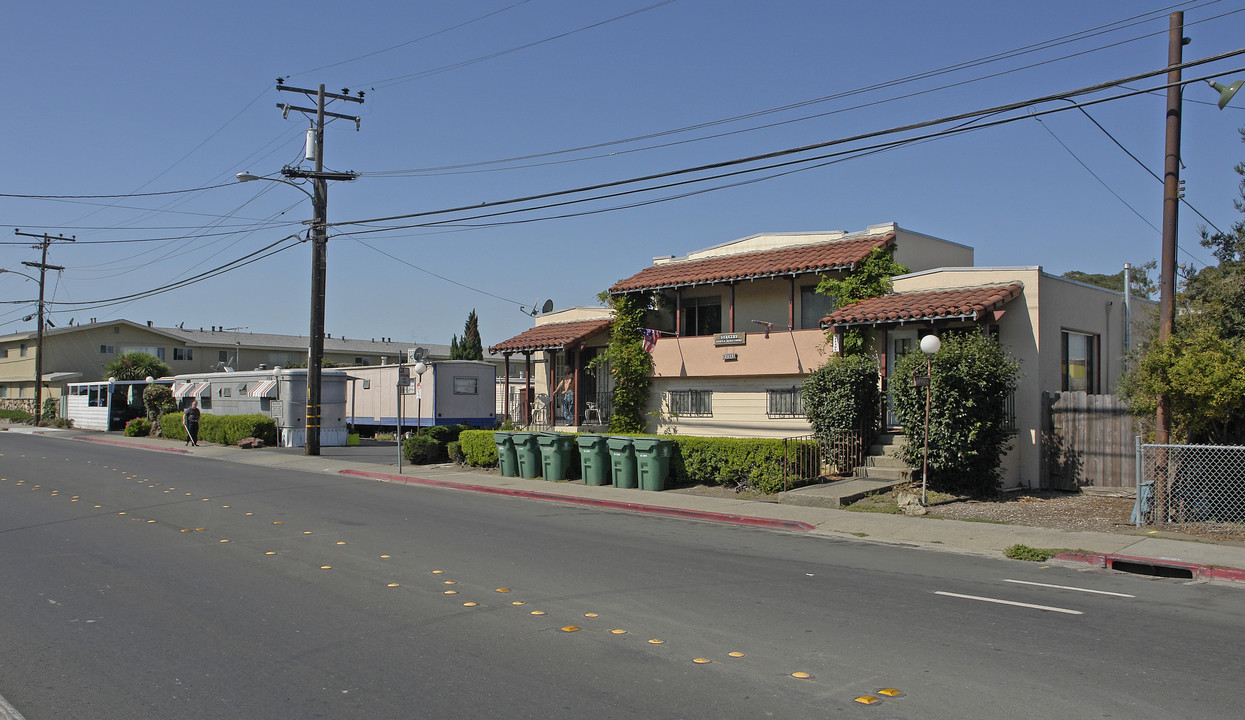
{"x": 189, "y": 389}
{"x": 265, "y": 389}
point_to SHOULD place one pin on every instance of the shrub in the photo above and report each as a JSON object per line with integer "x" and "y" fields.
{"x": 50, "y": 406}
{"x": 968, "y": 424}
{"x": 222, "y": 429}
{"x": 138, "y": 427}
{"x": 479, "y": 448}
{"x": 751, "y": 462}
{"x": 18, "y": 415}
{"x": 422, "y": 450}
{"x": 158, "y": 400}
{"x": 843, "y": 394}
{"x": 455, "y": 451}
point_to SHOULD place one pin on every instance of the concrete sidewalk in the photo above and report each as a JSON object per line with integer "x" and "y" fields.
{"x": 1134, "y": 553}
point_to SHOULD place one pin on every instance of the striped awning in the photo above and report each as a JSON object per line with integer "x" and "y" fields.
{"x": 265, "y": 389}
{"x": 181, "y": 390}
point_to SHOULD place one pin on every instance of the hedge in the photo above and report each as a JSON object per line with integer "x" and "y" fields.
{"x": 222, "y": 429}
{"x": 756, "y": 462}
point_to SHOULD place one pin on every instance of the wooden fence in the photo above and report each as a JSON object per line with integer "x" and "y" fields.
{"x": 1087, "y": 440}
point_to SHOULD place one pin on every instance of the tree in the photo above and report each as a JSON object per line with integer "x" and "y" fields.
{"x": 969, "y": 432}
{"x": 1200, "y": 368}
{"x": 870, "y": 278}
{"x": 1139, "y": 278}
{"x": 470, "y": 347}
{"x": 136, "y": 366}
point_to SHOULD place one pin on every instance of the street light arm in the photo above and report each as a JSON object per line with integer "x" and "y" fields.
{"x": 248, "y": 177}
{"x": 15, "y": 272}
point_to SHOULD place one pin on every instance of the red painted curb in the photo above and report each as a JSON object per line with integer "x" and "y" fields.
{"x": 1108, "y": 560}
{"x": 793, "y": 525}
{"x": 130, "y": 444}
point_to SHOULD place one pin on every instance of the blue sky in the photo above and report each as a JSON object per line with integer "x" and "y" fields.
{"x": 151, "y": 97}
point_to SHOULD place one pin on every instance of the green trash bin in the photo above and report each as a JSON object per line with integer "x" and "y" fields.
{"x": 594, "y": 459}
{"x": 555, "y": 453}
{"x": 507, "y": 458}
{"x": 527, "y": 451}
{"x": 652, "y": 460}
{"x": 622, "y": 462}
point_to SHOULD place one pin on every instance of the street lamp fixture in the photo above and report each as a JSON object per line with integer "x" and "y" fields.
{"x": 930, "y": 344}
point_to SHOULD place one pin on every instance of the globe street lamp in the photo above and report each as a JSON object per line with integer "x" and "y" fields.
{"x": 930, "y": 344}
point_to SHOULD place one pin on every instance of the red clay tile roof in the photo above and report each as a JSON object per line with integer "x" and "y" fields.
{"x": 924, "y": 305}
{"x": 552, "y": 336}
{"x": 821, "y": 257}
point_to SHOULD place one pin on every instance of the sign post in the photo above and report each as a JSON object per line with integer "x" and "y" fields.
{"x": 404, "y": 379}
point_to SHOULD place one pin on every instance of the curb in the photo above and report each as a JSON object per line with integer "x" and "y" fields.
{"x": 1152, "y": 566}
{"x": 104, "y": 441}
{"x": 791, "y": 525}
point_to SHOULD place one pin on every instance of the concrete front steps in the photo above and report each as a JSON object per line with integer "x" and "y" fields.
{"x": 881, "y": 472}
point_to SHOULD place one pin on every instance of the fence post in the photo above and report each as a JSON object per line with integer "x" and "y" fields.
{"x": 1138, "y": 512}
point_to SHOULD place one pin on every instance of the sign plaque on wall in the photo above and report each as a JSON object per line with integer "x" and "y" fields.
{"x": 721, "y": 339}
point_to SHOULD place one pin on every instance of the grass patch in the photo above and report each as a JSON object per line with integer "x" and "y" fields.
{"x": 984, "y": 520}
{"x": 887, "y": 501}
{"x": 1032, "y": 554}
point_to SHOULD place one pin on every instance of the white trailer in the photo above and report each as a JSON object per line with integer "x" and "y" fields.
{"x": 450, "y": 392}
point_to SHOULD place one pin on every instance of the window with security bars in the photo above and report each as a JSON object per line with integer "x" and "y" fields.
{"x": 691, "y": 402}
{"x": 788, "y": 402}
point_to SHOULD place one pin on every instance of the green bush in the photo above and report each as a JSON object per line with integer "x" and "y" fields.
{"x": 422, "y": 450}
{"x": 50, "y": 406}
{"x": 731, "y": 462}
{"x": 19, "y": 415}
{"x": 222, "y": 429}
{"x": 158, "y": 400}
{"x": 479, "y": 448}
{"x": 138, "y": 427}
{"x": 455, "y": 451}
{"x": 843, "y": 394}
{"x": 968, "y": 424}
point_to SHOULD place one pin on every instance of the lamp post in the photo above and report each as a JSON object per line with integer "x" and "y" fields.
{"x": 420, "y": 368}
{"x": 930, "y": 344}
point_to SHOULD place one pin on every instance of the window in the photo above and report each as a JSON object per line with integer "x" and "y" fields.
{"x": 183, "y": 354}
{"x": 4, "y": 353}
{"x": 1079, "y": 370}
{"x": 98, "y": 397}
{"x": 226, "y": 392}
{"x": 21, "y": 350}
{"x": 107, "y": 350}
{"x": 813, "y": 307}
{"x": 223, "y": 356}
{"x": 788, "y": 402}
{"x": 691, "y": 402}
{"x": 702, "y": 316}
{"x": 466, "y": 386}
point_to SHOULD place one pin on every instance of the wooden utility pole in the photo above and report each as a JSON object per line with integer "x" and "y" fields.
{"x": 319, "y": 242}
{"x": 1171, "y": 208}
{"x": 44, "y": 241}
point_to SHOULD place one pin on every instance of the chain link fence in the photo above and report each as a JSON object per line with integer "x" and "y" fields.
{"x": 1193, "y": 488}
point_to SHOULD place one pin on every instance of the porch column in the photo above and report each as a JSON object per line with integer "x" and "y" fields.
{"x": 732, "y": 301}
{"x": 579, "y": 401}
{"x": 527, "y": 403}
{"x": 551, "y": 372}
{"x": 506, "y": 389}
{"x": 678, "y": 311}
{"x": 791, "y": 304}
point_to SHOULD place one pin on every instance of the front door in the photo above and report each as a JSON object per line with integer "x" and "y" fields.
{"x": 899, "y": 343}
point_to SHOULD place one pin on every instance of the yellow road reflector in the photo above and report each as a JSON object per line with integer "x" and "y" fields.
{"x": 384, "y": 557}
{"x": 656, "y": 641}
{"x": 889, "y": 692}
{"x": 340, "y": 542}
{"x": 801, "y": 675}
{"x": 392, "y": 585}
{"x": 278, "y": 522}
{"x": 187, "y": 530}
{"x": 326, "y": 567}
{"x": 735, "y": 654}
{"x": 224, "y": 540}
{"x": 150, "y": 521}
{"x": 701, "y": 661}
{"x": 224, "y": 506}
{"x": 249, "y": 514}
{"x": 868, "y": 700}
{"x": 205, "y": 499}
{"x": 618, "y": 631}
{"x": 570, "y": 628}
{"x": 267, "y": 553}
{"x": 121, "y": 513}
{"x": 306, "y": 532}
{"x": 200, "y": 529}
{"x": 451, "y": 592}
{"x": 503, "y": 590}
{"x": 99, "y": 506}
{"x": 470, "y": 604}
{"x": 538, "y": 612}
{"x": 437, "y": 572}
{"x": 74, "y": 500}
{"x": 591, "y": 615}
{"x": 518, "y": 602}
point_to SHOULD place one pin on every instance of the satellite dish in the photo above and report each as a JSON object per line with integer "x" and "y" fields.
{"x": 548, "y": 306}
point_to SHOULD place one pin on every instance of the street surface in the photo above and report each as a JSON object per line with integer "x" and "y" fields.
{"x": 142, "y": 584}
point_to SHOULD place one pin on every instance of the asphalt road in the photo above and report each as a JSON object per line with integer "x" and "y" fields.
{"x": 137, "y": 584}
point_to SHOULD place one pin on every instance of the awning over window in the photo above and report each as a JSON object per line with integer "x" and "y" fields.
{"x": 265, "y": 389}
{"x": 181, "y": 390}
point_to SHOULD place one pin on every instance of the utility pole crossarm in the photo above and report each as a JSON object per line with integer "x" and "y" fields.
{"x": 45, "y": 240}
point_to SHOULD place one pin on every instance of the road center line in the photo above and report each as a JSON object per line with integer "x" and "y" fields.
{"x": 1009, "y": 602}
{"x": 1068, "y": 587}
